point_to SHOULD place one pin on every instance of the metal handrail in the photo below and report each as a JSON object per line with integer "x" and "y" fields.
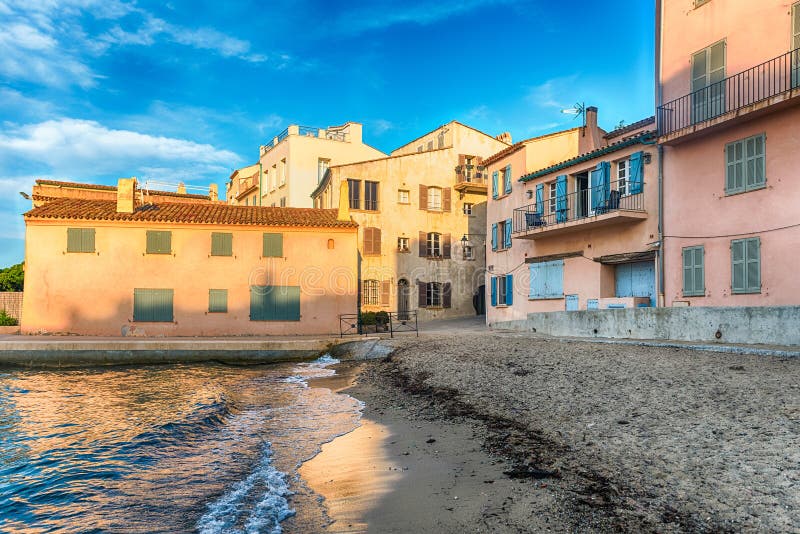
{"x": 576, "y": 206}
{"x": 771, "y": 78}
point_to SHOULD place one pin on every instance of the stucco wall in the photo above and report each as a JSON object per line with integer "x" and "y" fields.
{"x": 763, "y": 325}
{"x": 92, "y": 293}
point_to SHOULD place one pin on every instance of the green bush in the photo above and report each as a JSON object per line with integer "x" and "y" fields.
{"x": 6, "y": 319}
{"x": 12, "y": 278}
{"x": 382, "y": 317}
{"x": 367, "y": 318}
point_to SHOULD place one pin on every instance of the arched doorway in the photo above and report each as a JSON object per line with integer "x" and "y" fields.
{"x": 403, "y": 298}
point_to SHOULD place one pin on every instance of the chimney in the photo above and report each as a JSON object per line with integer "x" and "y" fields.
{"x": 181, "y": 188}
{"x": 592, "y": 137}
{"x": 344, "y": 202}
{"x": 126, "y": 188}
{"x": 505, "y": 137}
{"x": 213, "y": 192}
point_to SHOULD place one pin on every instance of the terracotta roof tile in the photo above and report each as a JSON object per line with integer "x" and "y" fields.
{"x": 191, "y": 213}
{"x": 631, "y": 127}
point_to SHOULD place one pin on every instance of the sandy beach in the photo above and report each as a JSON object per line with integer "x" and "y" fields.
{"x": 491, "y": 432}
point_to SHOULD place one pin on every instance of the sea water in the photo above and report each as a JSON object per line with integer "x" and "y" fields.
{"x": 181, "y": 448}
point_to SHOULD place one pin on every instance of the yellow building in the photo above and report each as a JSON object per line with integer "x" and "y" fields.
{"x": 422, "y": 221}
{"x": 292, "y": 164}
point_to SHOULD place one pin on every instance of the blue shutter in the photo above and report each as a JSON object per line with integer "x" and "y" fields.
{"x": 494, "y": 184}
{"x": 561, "y": 198}
{"x": 540, "y": 199}
{"x": 555, "y": 278}
{"x": 507, "y": 236}
{"x": 509, "y": 289}
{"x": 494, "y": 236}
{"x": 596, "y": 178}
{"x": 507, "y": 179}
{"x": 537, "y": 283}
{"x": 494, "y": 291}
{"x": 636, "y": 174}
{"x": 605, "y": 169}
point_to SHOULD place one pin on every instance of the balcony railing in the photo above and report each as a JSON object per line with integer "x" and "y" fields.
{"x": 305, "y": 131}
{"x": 470, "y": 178}
{"x": 580, "y": 205}
{"x": 776, "y": 76}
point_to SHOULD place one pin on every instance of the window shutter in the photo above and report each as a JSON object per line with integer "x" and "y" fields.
{"x": 367, "y": 241}
{"x": 561, "y": 198}
{"x": 716, "y": 63}
{"x": 507, "y": 231}
{"x": 153, "y": 305}
{"x": 385, "y": 292}
{"x": 423, "y": 245}
{"x": 605, "y": 170}
{"x": 218, "y": 300}
{"x": 446, "y": 199}
{"x": 754, "y": 152}
{"x": 636, "y": 173}
{"x": 494, "y": 236}
{"x": 540, "y": 199}
{"x": 507, "y": 179}
{"x": 509, "y": 289}
{"x": 494, "y": 184}
{"x": 753, "y": 255}
{"x": 422, "y": 290}
{"x": 462, "y": 160}
{"x": 423, "y": 197}
{"x": 221, "y": 244}
{"x": 446, "y": 246}
{"x": 159, "y": 242}
{"x": 87, "y": 240}
{"x": 447, "y": 297}
{"x": 699, "y": 271}
{"x": 376, "y": 241}
{"x": 688, "y": 271}
{"x": 272, "y": 246}
{"x": 738, "y": 267}
{"x": 555, "y": 278}
{"x": 494, "y": 291}
{"x": 731, "y": 168}
{"x": 74, "y": 240}
{"x": 699, "y": 70}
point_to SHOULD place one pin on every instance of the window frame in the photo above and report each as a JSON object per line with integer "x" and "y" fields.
{"x": 623, "y": 178}
{"x": 501, "y": 236}
{"x": 468, "y": 252}
{"x": 744, "y": 162}
{"x": 84, "y": 237}
{"x": 323, "y": 165}
{"x": 434, "y": 291}
{"x": 467, "y": 208}
{"x": 224, "y": 241}
{"x": 552, "y": 196}
{"x": 157, "y": 250}
{"x": 694, "y": 291}
{"x": 433, "y": 191}
{"x": 354, "y": 193}
{"x": 371, "y": 204}
{"x": 434, "y": 242}
{"x": 747, "y": 243}
{"x": 371, "y": 292}
{"x": 400, "y": 195}
{"x": 403, "y": 244}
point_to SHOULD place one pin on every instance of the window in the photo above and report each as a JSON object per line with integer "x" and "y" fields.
{"x": 623, "y": 169}
{"x": 402, "y": 244}
{"x": 547, "y": 280}
{"x": 419, "y": 148}
{"x": 694, "y": 284}
{"x": 371, "y": 196}
{"x": 507, "y": 180}
{"x": 551, "y": 188}
{"x": 501, "y": 235}
{"x": 370, "y": 292}
{"x": 746, "y": 265}
{"x": 217, "y": 301}
{"x": 430, "y": 145}
{"x": 708, "y": 96}
{"x": 283, "y": 171}
{"x": 434, "y": 199}
{"x": 272, "y": 246}
{"x": 159, "y": 242}
{"x": 468, "y": 168}
{"x": 469, "y": 253}
{"x": 434, "y": 244}
{"x": 501, "y": 232}
{"x": 403, "y": 196}
{"x": 80, "y": 240}
{"x": 467, "y": 208}
{"x": 322, "y": 168}
{"x": 745, "y": 164}
{"x": 440, "y": 139}
{"x": 274, "y": 181}
{"x": 274, "y": 303}
{"x": 433, "y": 295}
{"x": 153, "y": 305}
{"x": 221, "y": 244}
{"x": 502, "y": 290}
{"x": 354, "y": 192}
{"x": 283, "y": 202}
{"x": 372, "y": 241}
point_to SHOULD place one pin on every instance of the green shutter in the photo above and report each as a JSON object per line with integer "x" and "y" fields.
{"x": 273, "y": 246}
{"x": 153, "y": 305}
{"x": 700, "y": 270}
{"x": 693, "y": 272}
{"x": 159, "y": 242}
{"x": 221, "y": 244}
{"x": 274, "y": 303}
{"x": 745, "y": 167}
{"x": 753, "y": 264}
{"x": 688, "y": 271}
{"x": 80, "y": 239}
{"x": 738, "y": 267}
{"x": 218, "y": 301}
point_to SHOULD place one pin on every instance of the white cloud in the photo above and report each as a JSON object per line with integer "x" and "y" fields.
{"x": 381, "y": 126}
{"x": 554, "y": 93}
{"x": 80, "y": 147}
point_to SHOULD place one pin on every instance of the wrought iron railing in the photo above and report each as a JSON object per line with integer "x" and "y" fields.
{"x": 751, "y": 86}
{"x": 621, "y": 195}
{"x": 350, "y": 324}
{"x": 306, "y": 131}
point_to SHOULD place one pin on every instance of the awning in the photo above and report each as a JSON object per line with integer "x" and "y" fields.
{"x": 627, "y": 257}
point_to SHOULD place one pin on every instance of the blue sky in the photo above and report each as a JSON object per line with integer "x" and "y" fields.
{"x": 93, "y": 90}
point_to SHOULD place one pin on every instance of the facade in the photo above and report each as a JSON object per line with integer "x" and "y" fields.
{"x": 122, "y": 266}
{"x": 293, "y": 163}
{"x": 728, "y": 122}
{"x": 422, "y": 222}
{"x": 573, "y": 234}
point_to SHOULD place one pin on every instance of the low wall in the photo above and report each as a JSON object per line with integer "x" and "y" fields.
{"x": 772, "y": 325}
{"x": 11, "y": 301}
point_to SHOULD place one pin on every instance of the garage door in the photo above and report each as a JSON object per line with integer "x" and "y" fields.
{"x": 637, "y": 280}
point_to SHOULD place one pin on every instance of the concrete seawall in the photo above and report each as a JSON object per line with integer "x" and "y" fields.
{"x": 774, "y": 325}
{"x": 70, "y": 352}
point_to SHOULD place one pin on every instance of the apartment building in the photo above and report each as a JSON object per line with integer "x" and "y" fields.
{"x": 292, "y": 164}
{"x": 422, "y": 221}
{"x": 728, "y": 96}
{"x": 133, "y": 264}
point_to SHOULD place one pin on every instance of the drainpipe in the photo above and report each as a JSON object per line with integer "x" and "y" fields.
{"x": 659, "y": 98}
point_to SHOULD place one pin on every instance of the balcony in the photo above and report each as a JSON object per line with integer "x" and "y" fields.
{"x": 582, "y": 210}
{"x": 471, "y": 182}
{"x": 774, "y": 82}
{"x": 338, "y": 133}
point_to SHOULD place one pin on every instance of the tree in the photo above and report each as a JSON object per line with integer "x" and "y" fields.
{"x": 12, "y": 278}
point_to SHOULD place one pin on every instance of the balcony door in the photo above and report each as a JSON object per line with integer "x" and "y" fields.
{"x": 708, "y": 85}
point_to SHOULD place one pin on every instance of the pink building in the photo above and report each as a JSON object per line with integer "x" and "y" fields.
{"x": 576, "y": 233}
{"x": 728, "y": 97}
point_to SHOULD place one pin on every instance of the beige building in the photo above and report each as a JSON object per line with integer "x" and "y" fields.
{"x": 293, "y": 163}
{"x": 422, "y": 221}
